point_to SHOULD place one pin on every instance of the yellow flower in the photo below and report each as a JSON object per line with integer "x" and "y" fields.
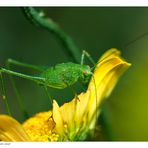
{"x": 75, "y": 119}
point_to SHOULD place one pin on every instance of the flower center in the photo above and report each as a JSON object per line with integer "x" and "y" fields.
{"x": 40, "y": 127}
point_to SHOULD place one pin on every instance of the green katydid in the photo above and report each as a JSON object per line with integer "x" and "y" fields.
{"x": 59, "y": 76}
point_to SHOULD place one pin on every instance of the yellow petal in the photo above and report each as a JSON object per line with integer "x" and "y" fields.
{"x": 73, "y": 112}
{"x": 113, "y": 52}
{"x": 81, "y": 108}
{"x": 70, "y": 117}
{"x": 11, "y": 130}
{"x": 59, "y": 127}
{"x": 68, "y": 112}
{"x": 107, "y": 72}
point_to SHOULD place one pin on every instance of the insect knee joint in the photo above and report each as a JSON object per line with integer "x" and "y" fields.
{"x": 9, "y": 60}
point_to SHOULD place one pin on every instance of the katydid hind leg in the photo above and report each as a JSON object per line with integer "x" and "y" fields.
{"x": 4, "y": 96}
{"x": 17, "y": 74}
{"x": 36, "y": 79}
{"x": 48, "y": 94}
{"x": 18, "y": 95}
{"x": 10, "y": 62}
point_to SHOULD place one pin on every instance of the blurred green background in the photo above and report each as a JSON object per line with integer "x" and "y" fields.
{"x": 95, "y": 30}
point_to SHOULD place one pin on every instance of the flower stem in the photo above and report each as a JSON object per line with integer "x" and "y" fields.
{"x": 39, "y": 19}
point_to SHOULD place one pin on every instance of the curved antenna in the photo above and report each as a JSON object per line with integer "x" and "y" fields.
{"x": 136, "y": 39}
{"x": 96, "y": 113}
{"x": 38, "y": 18}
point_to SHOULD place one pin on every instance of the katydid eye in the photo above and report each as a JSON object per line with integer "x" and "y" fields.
{"x": 85, "y": 73}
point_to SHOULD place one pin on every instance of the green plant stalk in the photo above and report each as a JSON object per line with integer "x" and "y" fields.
{"x": 39, "y": 19}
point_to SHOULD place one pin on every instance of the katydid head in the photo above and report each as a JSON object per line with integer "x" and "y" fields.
{"x": 86, "y": 74}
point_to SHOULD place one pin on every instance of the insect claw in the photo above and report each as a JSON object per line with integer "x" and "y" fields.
{"x": 76, "y": 96}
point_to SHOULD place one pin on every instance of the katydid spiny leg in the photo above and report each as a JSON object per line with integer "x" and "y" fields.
{"x": 19, "y": 97}
{"x": 26, "y": 65}
{"x": 4, "y": 97}
{"x": 85, "y": 53}
{"x": 48, "y": 95}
